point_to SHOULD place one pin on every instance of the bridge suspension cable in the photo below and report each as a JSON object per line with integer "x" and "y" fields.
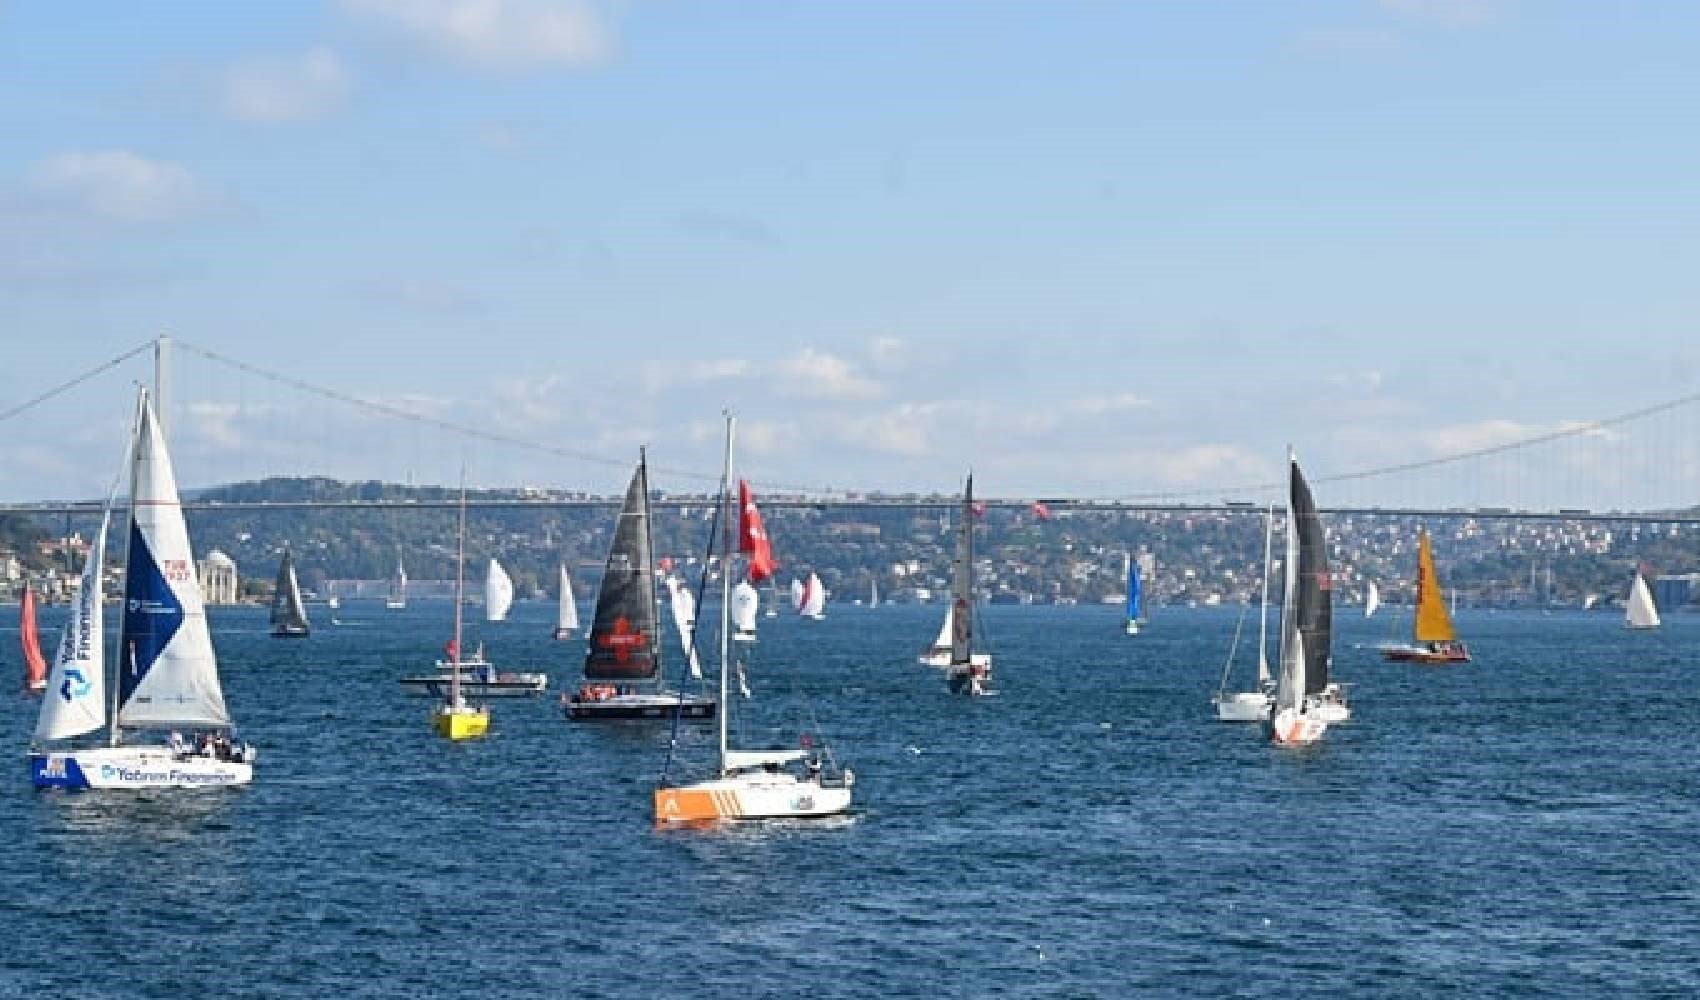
{"x": 67, "y": 386}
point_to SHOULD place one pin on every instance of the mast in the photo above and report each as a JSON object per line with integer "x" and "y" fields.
{"x": 162, "y": 382}
{"x": 649, "y": 572}
{"x": 1263, "y": 600}
{"x": 460, "y": 590}
{"x": 129, "y": 529}
{"x": 725, "y": 580}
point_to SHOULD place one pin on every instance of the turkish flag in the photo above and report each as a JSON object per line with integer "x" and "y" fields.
{"x": 1041, "y": 511}
{"x": 752, "y": 537}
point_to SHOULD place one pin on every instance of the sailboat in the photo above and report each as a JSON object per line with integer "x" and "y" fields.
{"x": 752, "y": 784}
{"x": 1252, "y": 706}
{"x": 1640, "y": 612}
{"x": 35, "y": 668}
{"x": 1135, "y": 595}
{"x": 498, "y": 593}
{"x": 965, "y": 672}
{"x": 289, "y": 613}
{"x": 398, "y": 587}
{"x": 456, "y": 718}
{"x": 167, "y": 672}
{"x": 1301, "y": 690}
{"x": 1372, "y": 599}
{"x": 1432, "y": 637}
{"x": 623, "y": 678}
{"x": 873, "y": 593}
{"x": 566, "y": 617}
{"x": 684, "y": 608}
{"x": 746, "y": 601}
{"x": 808, "y": 597}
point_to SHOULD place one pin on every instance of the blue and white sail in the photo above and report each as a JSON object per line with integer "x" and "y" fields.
{"x": 75, "y": 700}
{"x": 167, "y": 672}
{"x": 1135, "y": 596}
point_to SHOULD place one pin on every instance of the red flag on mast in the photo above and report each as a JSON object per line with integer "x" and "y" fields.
{"x": 752, "y": 537}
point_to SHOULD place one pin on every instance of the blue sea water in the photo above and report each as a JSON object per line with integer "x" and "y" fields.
{"x": 1525, "y": 825}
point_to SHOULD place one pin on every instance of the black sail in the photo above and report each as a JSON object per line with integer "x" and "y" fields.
{"x": 1315, "y": 589}
{"x": 289, "y": 615}
{"x": 624, "y": 643}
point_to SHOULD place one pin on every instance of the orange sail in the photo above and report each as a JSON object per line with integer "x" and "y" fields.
{"x": 1432, "y": 624}
{"x": 35, "y": 668}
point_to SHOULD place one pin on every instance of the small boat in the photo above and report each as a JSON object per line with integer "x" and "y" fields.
{"x": 1640, "y": 612}
{"x": 333, "y": 602}
{"x": 167, "y": 672}
{"x": 479, "y": 678}
{"x": 777, "y": 783}
{"x": 938, "y": 654}
{"x": 456, "y": 718}
{"x": 1252, "y": 706}
{"x": 808, "y": 597}
{"x": 397, "y": 598}
{"x": 1372, "y": 599}
{"x": 566, "y": 617}
{"x": 1302, "y": 693}
{"x": 35, "y": 667}
{"x": 1433, "y": 639}
{"x": 1135, "y": 595}
{"x": 746, "y": 601}
{"x": 289, "y": 613}
{"x": 965, "y": 672}
{"x": 623, "y": 676}
{"x": 498, "y": 593}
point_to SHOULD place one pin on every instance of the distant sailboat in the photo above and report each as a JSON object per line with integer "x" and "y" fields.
{"x": 965, "y": 672}
{"x": 35, "y": 667}
{"x": 398, "y": 588}
{"x": 746, "y": 602}
{"x": 498, "y": 593}
{"x": 1640, "y": 612}
{"x": 1372, "y": 599}
{"x": 1433, "y": 639}
{"x": 289, "y": 612}
{"x": 566, "y": 616}
{"x": 873, "y": 593}
{"x": 167, "y": 672}
{"x": 809, "y": 597}
{"x": 1252, "y": 706}
{"x": 1135, "y": 595}
{"x": 1299, "y": 715}
{"x": 457, "y": 719}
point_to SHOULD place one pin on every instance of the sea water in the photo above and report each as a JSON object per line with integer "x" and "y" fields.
{"x": 1525, "y": 825}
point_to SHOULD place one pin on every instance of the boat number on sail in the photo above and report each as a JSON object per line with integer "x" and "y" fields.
{"x": 174, "y": 569}
{"x": 622, "y": 640}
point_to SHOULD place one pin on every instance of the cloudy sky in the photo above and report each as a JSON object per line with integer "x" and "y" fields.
{"x": 1085, "y": 248}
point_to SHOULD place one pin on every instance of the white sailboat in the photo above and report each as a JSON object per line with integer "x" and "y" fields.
{"x": 398, "y": 588}
{"x": 1640, "y": 612}
{"x": 873, "y": 593}
{"x": 746, "y": 602}
{"x": 780, "y": 783}
{"x": 498, "y": 593}
{"x": 1372, "y": 599}
{"x": 966, "y": 672}
{"x": 809, "y": 597}
{"x": 167, "y": 673}
{"x": 566, "y": 616}
{"x": 1300, "y": 715}
{"x": 1252, "y": 706}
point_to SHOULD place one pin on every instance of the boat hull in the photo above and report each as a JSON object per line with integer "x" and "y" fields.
{"x": 1295, "y": 729}
{"x": 750, "y": 797}
{"x": 504, "y": 686}
{"x": 460, "y": 723}
{"x": 973, "y": 679}
{"x": 290, "y": 633}
{"x": 942, "y": 660}
{"x": 103, "y": 768}
{"x": 1245, "y": 706}
{"x": 1455, "y": 653}
{"x": 653, "y": 707}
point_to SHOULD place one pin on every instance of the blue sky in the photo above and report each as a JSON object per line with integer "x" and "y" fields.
{"x": 1089, "y": 248}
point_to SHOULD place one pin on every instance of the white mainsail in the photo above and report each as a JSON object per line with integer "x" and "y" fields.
{"x": 567, "y": 619}
{"x": 946, "y": 628}
{"x": 1641, "y": 612}
{"x": 167, "y": 672}
{"x": 813, "y": 604}
{"x": 1372, "y": 600}
{"x": 498, "y": 593}
{"x": 684, "y": 606}
{"x": 797, "y": 592}
{"x": 746, "y": 601}
{"x": 75, "y": 700}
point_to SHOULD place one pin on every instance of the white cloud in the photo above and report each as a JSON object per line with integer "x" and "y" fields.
{"x": 499, "y": 34}
{"x": 822, "y": 376}
{"x": 423, "y": 295}
{"x": 118, "y": 184}
{"x": 905, "y": 429}
{"x": 1464, "y": 438}
{"x": 658, "y": 376}
{"x": 291, "y": 89}
{"x": 887, "y": 350}
{"x": 212, "y": 424}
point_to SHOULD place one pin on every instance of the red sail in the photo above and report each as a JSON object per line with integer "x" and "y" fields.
{"x": 35, "y": 668}
{"x": 752, "y": 537}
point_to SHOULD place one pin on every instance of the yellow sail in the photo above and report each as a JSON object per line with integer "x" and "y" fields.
{"x": 1433, "y": 624}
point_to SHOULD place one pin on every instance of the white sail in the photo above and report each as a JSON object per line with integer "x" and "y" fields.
{"x": 167, "y": 672}
{"x": 1372, "y": 600}
{"x": 1641, "y": 612}
{"x": 498, "y": 593}
{"x": 398, "y": 587}
{"x": 75, "y": 700}
{"x": 1290, "y": 685}
{"x": 946, "y": 628}
{"x": 684, "y": 606}
{"x": 873, "y": 593}
{"x": 567, "y": 619}
{"x": 814, "y": 598}
{"x": 797, "y": 592}
{"x": 746, "y": 601}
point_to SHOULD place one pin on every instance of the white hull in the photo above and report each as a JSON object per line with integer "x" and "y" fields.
{"x": 752, "y": 795}
{"x": 1331, "y": 707}
{"x": 137, "y": 767}
{"x": 1245, "y": 706}
{"x": 941, "y": 659}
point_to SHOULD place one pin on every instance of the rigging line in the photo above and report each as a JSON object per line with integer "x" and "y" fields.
{"x": 73, "y": 383}
{"x": 472, "y": 432}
